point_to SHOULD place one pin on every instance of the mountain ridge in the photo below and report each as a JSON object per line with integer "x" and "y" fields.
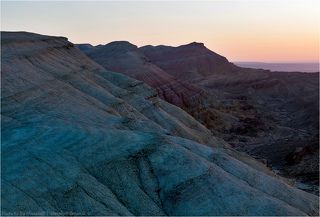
{"x": 253, "y": 109}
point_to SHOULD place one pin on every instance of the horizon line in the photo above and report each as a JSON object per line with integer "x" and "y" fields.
{"x": 232, "y": 61}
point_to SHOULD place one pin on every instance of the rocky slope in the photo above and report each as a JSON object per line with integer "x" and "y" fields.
{"x": 80, "y": 140}
{"x": 204, "y": 105}
{"x": 254, "y": 110}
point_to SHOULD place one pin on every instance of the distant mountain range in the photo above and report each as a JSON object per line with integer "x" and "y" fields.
{"x": 285, "y": 67}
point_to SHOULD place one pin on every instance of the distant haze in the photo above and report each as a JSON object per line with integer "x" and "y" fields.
{"x": 284, "y": 67}
{"x": 264, "y": 31}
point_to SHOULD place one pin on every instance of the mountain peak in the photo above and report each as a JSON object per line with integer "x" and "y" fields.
{"x": 121, "y": 45}
{"x": 111, "y": 49}
{"x": 196, "y": 44}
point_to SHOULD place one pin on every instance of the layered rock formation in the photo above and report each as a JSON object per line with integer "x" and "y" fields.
{"x": 121, "y": 56}
{"x": 254, "y": 110}
{"x": 126, "y": 58}
{"x": 80, "y": 140}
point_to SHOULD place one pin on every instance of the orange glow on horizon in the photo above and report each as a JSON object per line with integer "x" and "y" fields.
{"x": 264, "y": 31}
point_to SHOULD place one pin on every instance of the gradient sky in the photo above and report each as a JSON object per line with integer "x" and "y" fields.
{"x": 267, "y": 31}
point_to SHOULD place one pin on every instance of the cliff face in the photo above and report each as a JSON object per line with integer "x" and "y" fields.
{"x": 80, "y": 140}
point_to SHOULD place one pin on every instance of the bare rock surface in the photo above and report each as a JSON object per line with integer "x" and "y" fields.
{"x": 80, "y": 140}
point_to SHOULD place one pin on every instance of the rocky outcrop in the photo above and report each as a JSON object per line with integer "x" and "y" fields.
{"x": 80, "y": 140}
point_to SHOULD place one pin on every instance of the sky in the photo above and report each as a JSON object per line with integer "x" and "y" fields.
{"x": 263, "y": 31}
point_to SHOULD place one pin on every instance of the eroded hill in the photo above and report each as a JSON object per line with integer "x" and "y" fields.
{"x": 80, "y": 140}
